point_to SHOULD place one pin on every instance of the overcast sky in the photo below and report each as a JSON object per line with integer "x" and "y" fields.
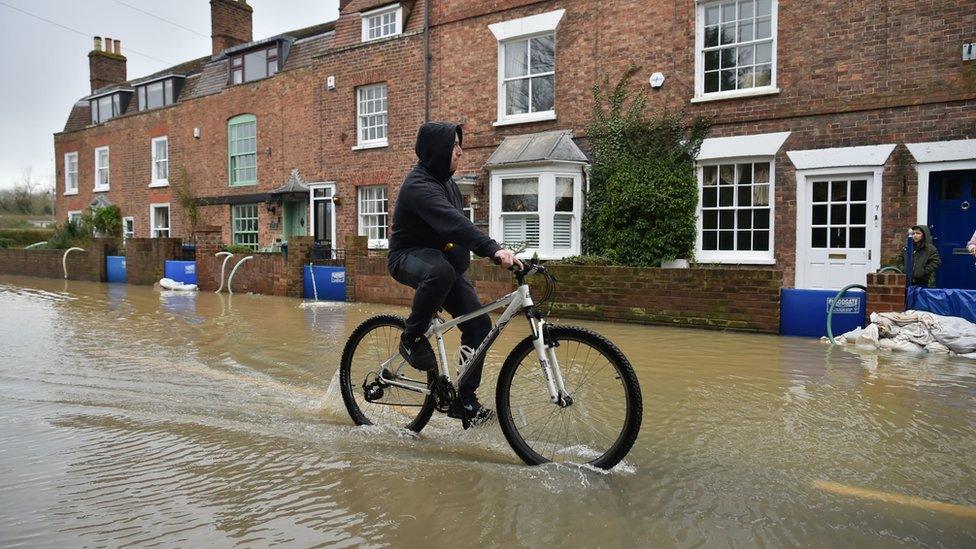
{"x": 45, "y": 66}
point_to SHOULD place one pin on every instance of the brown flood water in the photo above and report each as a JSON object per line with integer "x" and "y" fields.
{"x": 131, "y": 417}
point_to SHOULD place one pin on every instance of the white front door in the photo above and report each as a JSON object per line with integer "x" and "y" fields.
{"x": 838, "y": 218}
{"x": 322, "y": 214}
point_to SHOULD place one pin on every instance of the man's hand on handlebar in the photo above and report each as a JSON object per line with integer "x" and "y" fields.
{"x": 507, "y": 259}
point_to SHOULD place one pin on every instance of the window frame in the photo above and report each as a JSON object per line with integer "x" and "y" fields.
{"x": 67, "y": 172}
{"x": 751, "y": 257}
{"x": 153, "y": 229}
{"x": 153, "y": 180}
{"x": 74, "y": 214}
{"x": 700, "y": 94}
{"x": 503, "y": 117}
{"x": 378, "y": 142}
{"x": 168, "y": 91}
{"x": 514, "y": 30}
{"x": 362, "y": 229}
{"x": 236, "y": 63}
{"x": 367, "y": 16}
{"x": 108, "y": 172}
{"x": 128, "y": 234}
{"x": 546, "y": 210}
{"x": 234, "y": 232}
{"x": 234, "y": 121}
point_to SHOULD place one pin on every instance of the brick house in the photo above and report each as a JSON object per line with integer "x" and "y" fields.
{"x": 835, "y": 125}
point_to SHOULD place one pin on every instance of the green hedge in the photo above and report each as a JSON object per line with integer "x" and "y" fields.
{"x": 18, "y": 238}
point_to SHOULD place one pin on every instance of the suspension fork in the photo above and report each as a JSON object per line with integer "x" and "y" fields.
{"x": 545, "y": 350}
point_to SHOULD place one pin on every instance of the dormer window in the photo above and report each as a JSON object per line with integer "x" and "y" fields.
{"x": 382, "y": 22}
{"x": 254, "y": 65}
{"x": 108, "y": 106}
{"x": 158, "y": 94}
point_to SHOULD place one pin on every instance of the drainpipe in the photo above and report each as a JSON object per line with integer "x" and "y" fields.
{"x": 64, "y": 259}
{"x": 427, "y": 60}
{"x": 230, "y": 279}
{"x": 227, "y": 256}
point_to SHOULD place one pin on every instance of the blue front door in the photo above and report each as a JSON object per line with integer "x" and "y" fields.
{"x": 952, "y": 218}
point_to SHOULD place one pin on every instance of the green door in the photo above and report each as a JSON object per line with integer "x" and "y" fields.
{"x": 296, "y": 219}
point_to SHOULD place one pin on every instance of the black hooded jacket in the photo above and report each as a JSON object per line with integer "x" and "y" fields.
{"x": 429, "y": 208}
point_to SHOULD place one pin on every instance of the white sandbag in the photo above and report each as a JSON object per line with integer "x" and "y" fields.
{"x": 899, "y": 345}
{"x": 937, "y": 348}
{"x": 958, "y": 334}
{"x": 868, "y": 337}
{"x": 170, "y": 284}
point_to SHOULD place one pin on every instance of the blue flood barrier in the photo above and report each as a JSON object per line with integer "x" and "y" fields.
{"x": 329, "y": 281}
{"x": 804, "y": 312}
{"x": 181, "y": 271}
{"x": 943, "y": 301}
{"x": 115, "y": 268}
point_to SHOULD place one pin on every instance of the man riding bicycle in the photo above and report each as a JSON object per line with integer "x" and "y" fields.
{"x": 430, "y": 246}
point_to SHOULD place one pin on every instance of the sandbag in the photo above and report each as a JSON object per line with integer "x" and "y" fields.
{"x": 170, "y": 284}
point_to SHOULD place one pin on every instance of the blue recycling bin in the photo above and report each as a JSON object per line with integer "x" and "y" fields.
{"x": 115, "y": 268}
{"x": 804, "y": 312}
{"x": 330, "y": 283}
{"x": 181, "y": 271}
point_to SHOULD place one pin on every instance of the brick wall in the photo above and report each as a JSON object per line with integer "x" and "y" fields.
{"x": 145, "y": 258}
{"x": 86, "y": 265}
{"x": 886, "y": 293}
{"x": 264, "y": 273}
{"x": 735, "y": 299}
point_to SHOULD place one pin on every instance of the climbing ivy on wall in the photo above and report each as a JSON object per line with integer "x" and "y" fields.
{"x": 643, "y": 194}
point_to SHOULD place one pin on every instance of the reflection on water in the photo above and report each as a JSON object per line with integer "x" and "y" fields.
{"x": 133, "y": 416}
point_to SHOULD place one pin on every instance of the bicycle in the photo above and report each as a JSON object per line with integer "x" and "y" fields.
{"x": 558, "y": 404}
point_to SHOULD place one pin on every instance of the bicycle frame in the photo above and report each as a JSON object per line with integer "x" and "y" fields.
{"x": 513, "y": 303}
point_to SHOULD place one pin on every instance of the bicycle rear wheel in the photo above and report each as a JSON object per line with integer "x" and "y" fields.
{"x": 601, "y": 424}
{"x": 371, "y": 345}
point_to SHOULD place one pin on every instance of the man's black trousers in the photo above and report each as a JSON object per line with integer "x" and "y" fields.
{"x": 439, "y": 285}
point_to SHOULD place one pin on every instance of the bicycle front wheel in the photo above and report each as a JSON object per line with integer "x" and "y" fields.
{"x": 601, "y": 424}
{"x": 368, "y": 399}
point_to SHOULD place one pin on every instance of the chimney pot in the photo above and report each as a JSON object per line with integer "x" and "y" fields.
{"x": 117, "y": 46}
{"x": 98, "y": 43}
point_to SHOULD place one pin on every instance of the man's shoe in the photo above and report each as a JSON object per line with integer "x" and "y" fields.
{"x": 418, "y": 353}
{"x": 470, "y": 412}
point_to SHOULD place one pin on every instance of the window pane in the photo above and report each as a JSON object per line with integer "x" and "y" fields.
{"x": 712, "y": 15}
{"x": 764, "y": 52}
{"x": 744, "y": 172}
{"x": 168, "y": 92}
{"x": 760, "y": 173}
{"x": 255, "y": 65}
{"x": 543, "y": 95}
{"x": 858, "y": 212}
{"x": 711, "y": 82}
{"x": 761, "y": 219}
{"x": 728, "y": 11}
{"x": 517, "y": 97}
{"x": 710, "y": 240}
{"x": 728, "y": 34}
{"x": 516, "y": 59}
{"x": 746, "y": 31}
{"x": 726, "y": 196}
{"x": 562, "y": 231}
{"x": 154, "y": 95}
{"x": 820, "y": 214}
{"x": 764, "y": 28}
{"x": 543, "y": 54}
{"x": 857, "y": 237}
{"x": 520, "y": 195}
{"x": 760, "y": 241}
{"x": 726, "y": 174}
{"x": 726, "y": 240}
{"x": 726, "y": 219}
{"x": 710, "y": 197}
{"x": 818, "y": 237}
{"x": 712, "y": 60}
{"x": 838, "y": 237}
{"x": 838, "y": 214}
{"x": 838, "y": 191}
{"x": 746, "y": 55}
{"x": 744, "y": 220}
{"x": 743, "y": 240}
{"x": 728, "y": 58}
{"x": 745, "y": 9}
{"x": 564, "y": 194}
{"x": 760, "y": 195}
{"x": 820, "y": 191}
{"x": 727, "y": 80}
{"x": 859, "y": 190}
{"x": 744, "y": 195}
{"x": 711, "y": 36}
{"x": 764, "y": 7}
{"x": 709, "y": 175}
{"x": 710, "y": 219}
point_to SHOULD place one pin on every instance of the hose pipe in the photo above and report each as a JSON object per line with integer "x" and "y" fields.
{"x": 227, "y": 256}
{"x": 230, "y": 279}
{"x": 64, "y": 259}
{"x": 833, "y": 303}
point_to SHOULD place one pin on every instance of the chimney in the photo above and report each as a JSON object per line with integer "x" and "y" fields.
{"x": 230, "y": 23}
{"x": 106, "y": 65}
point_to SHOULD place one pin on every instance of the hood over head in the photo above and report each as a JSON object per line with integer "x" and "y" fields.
{"x": 435, "y": 145}
{"x": 926, "y": 233}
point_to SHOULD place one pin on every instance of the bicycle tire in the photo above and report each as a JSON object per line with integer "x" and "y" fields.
{"x": 351, "y": 383}
{"x": 530, "y": 451}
